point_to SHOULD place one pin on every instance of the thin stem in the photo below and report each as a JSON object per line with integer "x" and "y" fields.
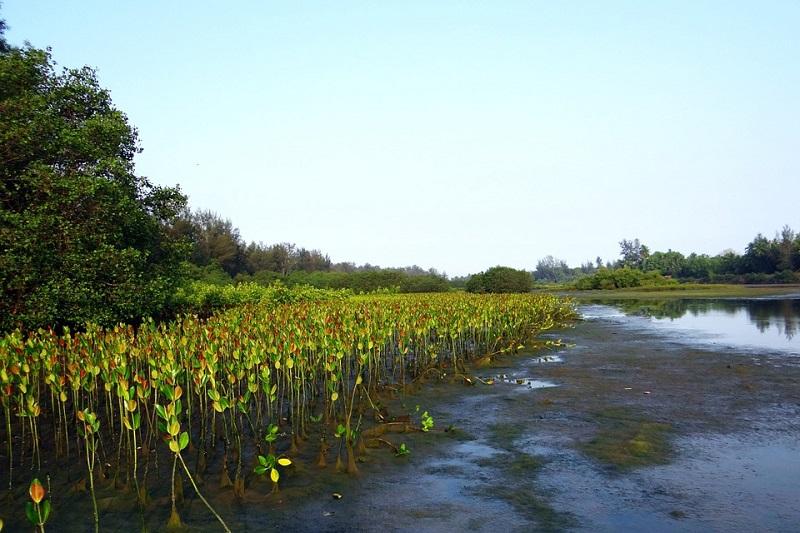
{"x": 191, "y": 480}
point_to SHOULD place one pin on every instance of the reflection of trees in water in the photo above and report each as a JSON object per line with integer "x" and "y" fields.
{"x": 784, "y": 314}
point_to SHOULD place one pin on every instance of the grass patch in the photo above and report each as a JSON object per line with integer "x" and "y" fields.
{"x": 514, "y": 464}
{"x": 534, "y": 507}
{"x": 687, "y": 290}
{"x": 625, "y": 441}
{"x": 503, "y": 435}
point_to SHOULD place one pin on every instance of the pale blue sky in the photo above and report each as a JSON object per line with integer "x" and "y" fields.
{"x": 457, "y": 135}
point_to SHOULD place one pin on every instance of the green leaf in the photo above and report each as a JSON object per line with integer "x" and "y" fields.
{"x": 30, "y": 512}
{"x": 183, "y": 440}
{"x": 161, "y": 412}
{"x": 45, "y": 509}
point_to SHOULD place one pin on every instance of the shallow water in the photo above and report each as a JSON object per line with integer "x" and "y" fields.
{"x": 771, "y": 324}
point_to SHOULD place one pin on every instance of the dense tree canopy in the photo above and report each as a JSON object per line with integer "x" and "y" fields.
{"x": 82, "y": 238}
{"x": 501, "y": 279}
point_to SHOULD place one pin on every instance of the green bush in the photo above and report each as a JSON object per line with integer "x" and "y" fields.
{"x": 203, "y": 299}
{"x": 500, "y": 279}
{"x": 622, "y": 278}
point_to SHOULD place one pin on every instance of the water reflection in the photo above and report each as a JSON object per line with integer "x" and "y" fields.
{"x": 771, "y": 323}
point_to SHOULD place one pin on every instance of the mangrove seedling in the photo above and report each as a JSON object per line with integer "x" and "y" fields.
{"x": 271, "y": 436}
{"x": 178, "y": 441}
{"x": 426, "y": 421}
{"x": 402, "y": 450}
{"x": 88, "y": 429}
{"x": 270, "y": 464}
{"x": 37, "y": 510}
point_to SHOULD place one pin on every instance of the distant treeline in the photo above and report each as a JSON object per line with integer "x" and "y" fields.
{"x": 775, "y": 260}
{"x": 219, "y": 256}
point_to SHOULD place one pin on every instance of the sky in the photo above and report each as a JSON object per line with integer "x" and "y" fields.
{"x": 456, "y": 135}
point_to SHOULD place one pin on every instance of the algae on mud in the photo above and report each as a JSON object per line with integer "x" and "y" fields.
{"x": 626, "y": 441}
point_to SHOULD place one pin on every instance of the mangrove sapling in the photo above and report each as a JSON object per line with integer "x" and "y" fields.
{"x": 132, "y": 421}
{"x": 7, "y": 387}
{"x": 350, "y": 434}
{"x": 270, "y": 463}
{"x": 238, "y": 479}
{"x": 402, "y": 450}
{"x": 178, "y": 441}
{"x": 271, "y": 436}
{"x": 426, "y": 421}
{"x": 341, "y": 431}
{"x": 38, "y": 509}
{"x": 88, "y": 429}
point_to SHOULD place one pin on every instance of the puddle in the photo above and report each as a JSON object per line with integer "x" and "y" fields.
{"x": 546, "y": 359}
{"x": 530, "y": 383}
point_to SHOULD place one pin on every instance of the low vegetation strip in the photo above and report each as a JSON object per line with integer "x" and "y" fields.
{"x": 255, "y": 380}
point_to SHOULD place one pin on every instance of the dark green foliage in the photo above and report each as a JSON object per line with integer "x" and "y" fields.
{"x": 621, "y": 278}
{"x": 81, "y": 237}
{"x": 424, "y": 283}
{"x": 203, "y": 299}
{"x": 371, "y": 280}
{"x": 552, "y": 270}
{"x": 3, "y": 43}
{"x": 633, "y": 253}
{"x": 765, "y": 260}
{"x": 500, "y": 279}
{"x": 215, "y": 241}
{"x": 668, "y": 263}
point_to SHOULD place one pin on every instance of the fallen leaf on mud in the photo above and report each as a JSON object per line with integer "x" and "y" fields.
{"x": 337, "y": 496}
{"x": 647, "y": 392}
{"x": 327, "y": 513}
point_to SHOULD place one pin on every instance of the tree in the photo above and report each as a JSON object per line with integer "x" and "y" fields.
{"x": 500, "y": 279}
{"x": 3, "y": 44}
{"x": 216, "y": 240}
{"x": 552, "y": 269}
{"x": 786, "y": 249}
{"x": 669, "y": 263}
{"x": 633, "y": 253}
{"x": 312, "y": 261}
{"x": 82, "y": 238}
{"x": 761, "y": 256}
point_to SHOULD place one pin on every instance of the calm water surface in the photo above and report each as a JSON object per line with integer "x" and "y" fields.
{"x": 752, "y": 324}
